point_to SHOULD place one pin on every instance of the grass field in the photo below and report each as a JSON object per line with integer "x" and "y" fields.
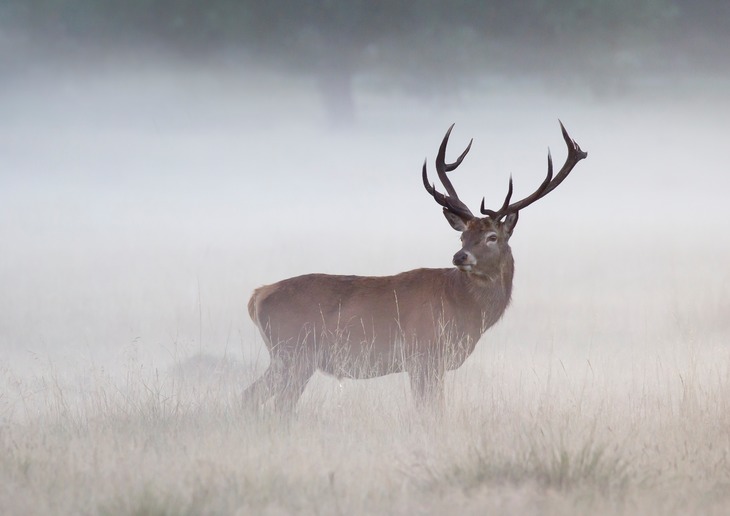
{"x": 136, "y": 219}
{"x": 612, "y": 398}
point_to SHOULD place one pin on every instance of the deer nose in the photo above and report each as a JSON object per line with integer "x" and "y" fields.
{"x": 464, "y": 258}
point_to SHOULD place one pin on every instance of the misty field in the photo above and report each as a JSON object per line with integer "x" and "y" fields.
{"x": 610, "y": 398}
{"x": 139, "y": 209}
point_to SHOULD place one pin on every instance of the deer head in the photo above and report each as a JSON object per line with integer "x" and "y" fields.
{"x": 485, "y": 240}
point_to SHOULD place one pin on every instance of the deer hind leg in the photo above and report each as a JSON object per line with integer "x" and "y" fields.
{"x": 261, "y": 389}
{"x": 293, "y": 379}
{"x": 284, "y": 381}
{"x": 285, "y": 400}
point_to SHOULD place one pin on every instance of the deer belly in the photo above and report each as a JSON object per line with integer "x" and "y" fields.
{"x": 359, "y": 361}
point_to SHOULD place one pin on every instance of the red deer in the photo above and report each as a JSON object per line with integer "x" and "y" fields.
{"x": 423, "y": 322}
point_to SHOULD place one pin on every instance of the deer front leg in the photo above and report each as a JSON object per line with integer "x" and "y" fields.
{"x": 427, "y": 383}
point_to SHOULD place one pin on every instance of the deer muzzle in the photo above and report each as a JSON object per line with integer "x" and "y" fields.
{"x": 464, "y": 260}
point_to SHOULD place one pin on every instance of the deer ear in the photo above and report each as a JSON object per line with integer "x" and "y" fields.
{"x": 510, "y": 222}
{"x": 456, "y": 221}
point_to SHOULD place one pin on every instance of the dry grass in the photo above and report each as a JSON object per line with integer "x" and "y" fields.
{"x": 612, "y": 398}
{"x": 604, "y": 390}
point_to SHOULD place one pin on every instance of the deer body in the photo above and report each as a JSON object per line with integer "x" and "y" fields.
{"x": 423, "y": 321}
{"x": 362, "y": 327}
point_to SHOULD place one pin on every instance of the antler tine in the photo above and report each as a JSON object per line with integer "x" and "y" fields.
{"x": 507, "y": 208}
{"x": 442, "y": 167}
{"x": 575, "y": 154}
{"x": 430, "y": 188}
{"x": 450, "y": 201}
{"x": 495, "y": 214}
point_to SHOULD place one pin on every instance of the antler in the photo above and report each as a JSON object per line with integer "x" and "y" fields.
{"x": 575, "y": 154}
{"x": 451, "y": 201}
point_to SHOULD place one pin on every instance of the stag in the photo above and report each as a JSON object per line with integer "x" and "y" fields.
{"x": 423, "y": 322}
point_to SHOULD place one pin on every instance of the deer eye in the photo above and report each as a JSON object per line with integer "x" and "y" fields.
{"x": 491, "y": 237}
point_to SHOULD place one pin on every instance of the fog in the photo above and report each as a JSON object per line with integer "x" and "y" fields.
{"x": 157, "y": 165}
{"x": 144, "y": 198}
{"x": 149, "y": 183}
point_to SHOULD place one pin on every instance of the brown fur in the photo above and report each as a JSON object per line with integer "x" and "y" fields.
{"x": 423, "y": 321}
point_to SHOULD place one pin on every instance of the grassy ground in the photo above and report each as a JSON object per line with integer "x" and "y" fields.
{"x": 612, "y": 398}
{"x": 138, "y": 211}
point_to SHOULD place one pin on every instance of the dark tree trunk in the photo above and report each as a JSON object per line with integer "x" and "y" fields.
{"x": 335, "y": 82}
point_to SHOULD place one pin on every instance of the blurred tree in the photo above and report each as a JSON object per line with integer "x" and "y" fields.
{"x": 433, "y": 43}
{"x": 706, "y": 36}
{"x": 328, "y": 37}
